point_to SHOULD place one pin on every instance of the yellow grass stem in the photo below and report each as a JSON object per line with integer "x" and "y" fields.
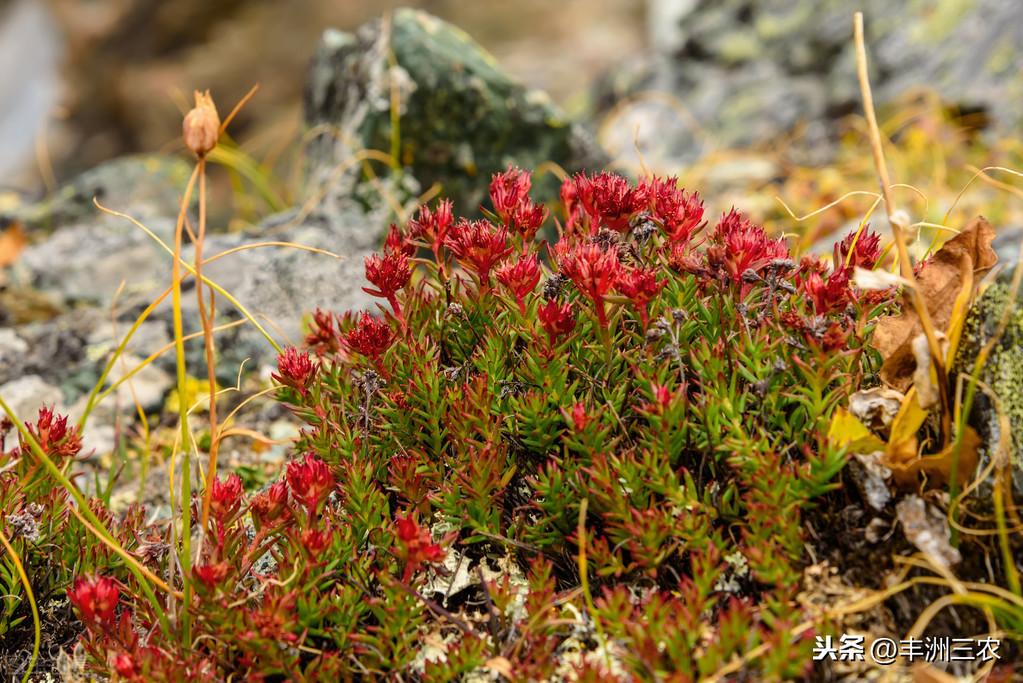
{"x": 896, "y": 222}
{"x": 185, "y": 552}
{"x": 187, "y": 266}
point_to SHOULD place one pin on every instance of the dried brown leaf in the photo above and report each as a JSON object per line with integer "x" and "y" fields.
{"x": 940, "y": 280}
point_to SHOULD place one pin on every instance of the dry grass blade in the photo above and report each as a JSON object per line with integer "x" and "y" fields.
{"x": 897, "y": 223}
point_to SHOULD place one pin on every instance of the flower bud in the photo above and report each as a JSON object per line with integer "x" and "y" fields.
{"x": 201, "y": 127}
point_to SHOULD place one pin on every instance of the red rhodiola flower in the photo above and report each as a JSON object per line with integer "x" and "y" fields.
{"x": 580, "y": 418}
{"x": 53, "y": 435}
{"x": 322, "y": 338}
{"x": 226, "y": 497}
{"x": 295, "y": 369}
{"x": 825, "y": 292}
{"x": 370, "y": 337}
{"x": 609, "y": 200}
{"x": 211, "y": 574}
{"x": 397, "y": 241}
{"x": 520, "y": 278}
{"x": 557, "y": 320}
{"x": 679, "y": 213}
{"x": 508, "y": 190}
{"x": 417, "y": 547}
{"x": 593, "y": 270}
{"x": 315, "y": 541}
{"x": 310, "y": 481}
{"x": 432, "y": 227}
{"x": 95, "y": 597}
{"x": 641, "y": 286}
{"x": 124, "y": 665}
{"x": 270, "y": 505}
{"x": 388, "y": 274}
{"x": 858, "y": 249}
{"x": 479, "y": 245}
{"x": 739, "y": 245}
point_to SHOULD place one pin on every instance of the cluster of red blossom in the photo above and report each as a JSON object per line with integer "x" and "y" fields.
{"x": 602, "y": 210}
{"x": 308, "y": 482}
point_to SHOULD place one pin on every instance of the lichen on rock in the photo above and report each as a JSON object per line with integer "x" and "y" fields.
{"x": 459, "y": 119}
{"x": 1002, "y": 373}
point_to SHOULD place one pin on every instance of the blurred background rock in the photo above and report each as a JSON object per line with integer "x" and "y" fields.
{"x": 82, "y": 81}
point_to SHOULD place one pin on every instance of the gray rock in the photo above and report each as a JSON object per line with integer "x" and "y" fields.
{"x": 1003, "y": 373}
{"x": 460, "y": 119}
{"x": 747, "y": 71}
{"x": 27, "y": 394}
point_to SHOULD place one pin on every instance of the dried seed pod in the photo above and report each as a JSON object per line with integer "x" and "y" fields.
{"x": 201, "y": 127}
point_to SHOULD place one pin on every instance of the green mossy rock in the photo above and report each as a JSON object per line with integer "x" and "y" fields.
{"x": 1003, "y": 373}
{"x": 460, "y": 119}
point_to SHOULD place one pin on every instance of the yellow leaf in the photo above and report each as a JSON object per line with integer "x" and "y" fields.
{"x": 846, "y": 430}
{"x": 908, "y": 420}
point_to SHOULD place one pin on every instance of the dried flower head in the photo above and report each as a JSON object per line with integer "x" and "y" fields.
{"x": 201, "y": 127}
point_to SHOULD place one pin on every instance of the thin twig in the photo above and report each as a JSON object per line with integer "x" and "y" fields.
{"x": 897, "y": 223}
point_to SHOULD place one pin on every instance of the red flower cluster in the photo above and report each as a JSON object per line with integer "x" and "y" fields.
{"x": 417, "y": 547}
{"x": 370, "y": 337}
{"x": 825, "y": 292}
{"x": 679, "y": 213}
{"x": 269, "y": 506}
{"x": 389, "y": 273}
{"x": 96, "y": 598}
{"x": 211, "y": 575}
{"x": 607, "y": 199}
{"x": 858, "y": 249}
{"x": 322, "y": 338}
{"x": 295, "y": 369}
{"x": 54, "y": 436}
{"x": 509, "y": 192}
{"x": 592, "y": 269}
{"x": 521, "y": 278}
{"x": 432, "y": 226}
{"x": 557, "y": 320}
{"x": 740, "y": 246}
{"x": 641, "y": 286}
{"x": 310, "y": 481}
{"x": 226, "y": 497}
{"x": 397, "y": 242}
{"x": 478, "y": 245}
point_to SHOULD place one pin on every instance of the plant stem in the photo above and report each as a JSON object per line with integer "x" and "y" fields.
{"x": 185, "y": 554}
{"x": 905, "y": 265}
